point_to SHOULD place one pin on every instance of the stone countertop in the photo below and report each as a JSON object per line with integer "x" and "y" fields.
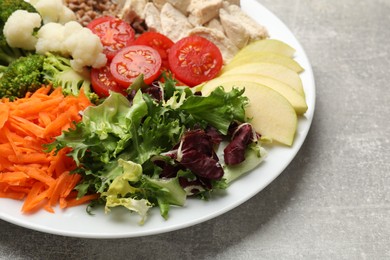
{"x": 332, "y": 201}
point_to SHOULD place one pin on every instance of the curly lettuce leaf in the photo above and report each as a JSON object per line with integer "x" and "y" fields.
{"x": 167, "y": 192}
{"x": 128, "y": 188}
{"x": 218, "y": 109}
{"x": 140, "y": 206}
{"x": 117, "y": 193}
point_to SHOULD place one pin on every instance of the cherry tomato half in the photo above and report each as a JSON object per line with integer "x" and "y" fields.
{"x": 157, "y": 41}
{"x": 102, "y": 82}
{"x": 134, "y": 60}
{"x": 114, "y": 34}
{"x": 194, "y": 59}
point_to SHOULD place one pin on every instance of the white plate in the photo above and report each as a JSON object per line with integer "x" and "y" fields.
{"x": 120, "y": 223}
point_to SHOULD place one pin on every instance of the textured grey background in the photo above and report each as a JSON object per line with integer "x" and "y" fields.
{"x": 333, "y": 201}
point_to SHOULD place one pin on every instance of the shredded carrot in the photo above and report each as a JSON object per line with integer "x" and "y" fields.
{"x": 27, "y": 172}
{"x": 65, "y": 203}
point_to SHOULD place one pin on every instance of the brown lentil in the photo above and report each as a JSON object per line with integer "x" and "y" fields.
{"x": 88, "y": 10}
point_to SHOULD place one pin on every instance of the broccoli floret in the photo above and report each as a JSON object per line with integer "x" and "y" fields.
{"x": 21, "y": 76}
{"x": 58, "y": 72}
{"x": 7, "y": 7}
{"x": 9, "y": 54}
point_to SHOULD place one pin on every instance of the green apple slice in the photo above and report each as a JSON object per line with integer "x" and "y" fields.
{"x": 268, "y": 45}
{"x": 272, "y": 70}
{"x": 271, "y": 114}
{"x": 268, "y": 57}
{"x": 296, "y": 100}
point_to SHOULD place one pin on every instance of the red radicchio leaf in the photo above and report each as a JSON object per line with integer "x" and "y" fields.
{"x": 234, "y": 152}
{"x": 215, "y": 135}
{"x": 197, "y": 154}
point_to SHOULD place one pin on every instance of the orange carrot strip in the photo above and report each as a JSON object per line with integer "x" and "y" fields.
{"x": 43, "y": 90}
{"x": 4, "y": 163}
{"x": 13, "y": 177}
{"x": 6, "y": 149}
{"x": 44, "y": 119}
{"x": 48, "y": 208}
{"x": 36, "y": 106}
{"x": 10, "y": 141}
{"x": 29, "y": 158}
{"x": 55, "y": 127}
{"x": 57, "y": 92}
{"x": 72, "y": 182}
{"x": 27, "y": 125}
{"x": 12, "y": 195}
{"x": 20, "y": 189}
{"x": 30, "y": 203}
{"x": 40, "y": 176}
{"x": 75, "y": 201}
{"x": 58, "y": 187}
{"x": 4, "y": 112}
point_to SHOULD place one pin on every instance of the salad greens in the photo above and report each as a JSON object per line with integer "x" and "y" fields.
{"x": 128, "y": 150}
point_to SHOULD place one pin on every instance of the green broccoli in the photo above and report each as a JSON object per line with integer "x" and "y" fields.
{"x": 9, "y": 54}
{"x": 58, "y": 71}
{"x": 21, "y": 76}
{"x": 7, "y": 7}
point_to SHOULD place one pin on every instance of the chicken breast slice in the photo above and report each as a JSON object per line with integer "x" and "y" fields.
{"x": 233, "y": 2}
{"x": 181, "y": 5}
{"x": 255, "y": 30}
{"x": 152, "y": 17}
{"x": 159, "y": 3}
{"x": 174, "y": 24}
{"x": 225, "y": 45}
{"x": 201, "y": 11}
{"x": 215, "y": 24}
{"x": 131, "y": 9}
{"x": 234, "y": 29}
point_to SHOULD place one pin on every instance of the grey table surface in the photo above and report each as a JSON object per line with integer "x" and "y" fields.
{"x": 332, "y": 201}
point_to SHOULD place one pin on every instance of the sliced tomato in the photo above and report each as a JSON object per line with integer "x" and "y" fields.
{"x": 103, "y": 82}
{"x": 194, "y": 60}
{"x": 134, "y": 60}
{"x": 157, "y": 41}
{"x": 114, "y": 33}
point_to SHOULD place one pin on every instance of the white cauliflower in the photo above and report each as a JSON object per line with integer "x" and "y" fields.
{"x": 53, "y": 11}
{"x": 50, "y": 39}
{"x": 19, "y": 28}
{"x": 72, "y": 40}
{"x": 84, "y": 46}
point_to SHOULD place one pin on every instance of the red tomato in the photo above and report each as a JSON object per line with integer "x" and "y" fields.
{"x": 157, "y": 41}
{"x": 194, "y": 59}
{"x": 114, "y": 34}
{"x": 102, "y": 82}
{"x": 134, "y": 60}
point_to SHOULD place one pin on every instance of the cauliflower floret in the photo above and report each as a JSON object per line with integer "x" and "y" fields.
{"x": 19, "y": 28}
{"x": 67, "y": 15}
{"x": 53, "y": 11}
{"x": 85, "y": 47}
{"x": 45, "y": 42}
{"x": 72, "y": 40}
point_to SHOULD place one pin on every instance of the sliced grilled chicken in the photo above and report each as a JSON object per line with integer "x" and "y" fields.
{"x": 174, "y": 23}
{"x": 152, "y": 17}
{"x": 254, "y": 30}
{"x": 201, "y": 11}
{"x": 234, "y": 29}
